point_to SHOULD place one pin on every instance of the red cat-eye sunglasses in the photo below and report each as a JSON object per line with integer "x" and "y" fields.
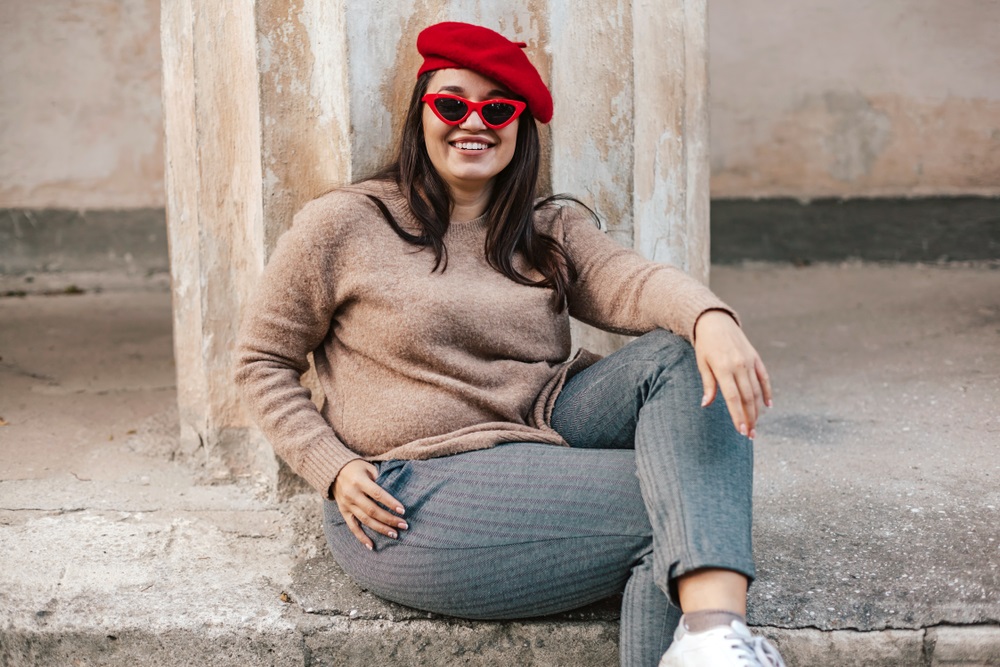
{"x": 453, "y": 110}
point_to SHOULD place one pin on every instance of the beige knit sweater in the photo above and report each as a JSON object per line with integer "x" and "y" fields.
{"x": 416, "y": 364}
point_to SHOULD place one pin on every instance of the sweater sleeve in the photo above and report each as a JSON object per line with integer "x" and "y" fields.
{"x": 618, "y": 290}
{"x": 290, "y": 316}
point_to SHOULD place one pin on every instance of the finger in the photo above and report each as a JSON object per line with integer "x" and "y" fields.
{"x": 382, "y": 497}
{"x": 376, "y": 518}
{"x": 748, "y": 399}
{"x": 765, "y": 382}
{"x": 735, "y": 404}
{"x": 758, "y": 391}
{"x": 707, "y": 382}
{"x": 758, "y": 402}
{"x": 355, "y": 529}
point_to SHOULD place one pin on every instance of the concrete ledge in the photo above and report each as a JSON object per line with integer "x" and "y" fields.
{"x": 430, "y": 643}
{"x": 928, "y": 229}
{"x": 88, "y": 240}
{"x": 977, "y": 645}
{"x": 338, "y": 641}
{"x": 144, "y": 649}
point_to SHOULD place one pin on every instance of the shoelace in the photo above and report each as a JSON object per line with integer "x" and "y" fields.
{"x": 757, "y": 651}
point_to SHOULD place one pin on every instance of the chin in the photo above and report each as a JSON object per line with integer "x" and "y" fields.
{"x": 472, "y": 178}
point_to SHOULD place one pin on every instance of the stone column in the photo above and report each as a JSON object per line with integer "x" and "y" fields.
{"x": 214, "y": 215}
{"x": 269, "y": 103}
{"x": 671, "y": 168}
{"x": 630, "y": 132}
{"x": 254, "y": 100}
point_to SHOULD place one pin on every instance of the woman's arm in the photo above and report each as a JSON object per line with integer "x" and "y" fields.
{"x": 619, "y": 290}
{"x": 289, "y": 316}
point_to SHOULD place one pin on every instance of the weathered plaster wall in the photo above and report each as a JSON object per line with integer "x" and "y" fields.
{"x": 80, "y": 118}
{"x": 854, "y": 98}
{"x": 810, "y": 98}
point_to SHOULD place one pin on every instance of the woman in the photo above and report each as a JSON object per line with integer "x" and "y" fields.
{"x": 469, "y": 466}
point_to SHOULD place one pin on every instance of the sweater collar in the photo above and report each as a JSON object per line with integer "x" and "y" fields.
{"x": 469, "y": 229}
{"x": 391, "y": 195}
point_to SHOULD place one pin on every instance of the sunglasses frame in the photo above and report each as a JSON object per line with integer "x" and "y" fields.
{"x": 470, "y": 106}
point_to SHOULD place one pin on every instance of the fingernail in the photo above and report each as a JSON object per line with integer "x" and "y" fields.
{"x": 704, "y": 401}
{"x": 399, "y": 510}
{"x": 743, "y": 429}
{"x": 770, "y": 404}
{"x": 402, "y": 524}
{"x": 392, "y": 534}
{"x": 753, "y": 434}
{"x": 368, "y": 546}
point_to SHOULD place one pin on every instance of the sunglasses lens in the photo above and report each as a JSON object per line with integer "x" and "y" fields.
{"x": 498, "y": 113}
{"x": 451, "y": 109}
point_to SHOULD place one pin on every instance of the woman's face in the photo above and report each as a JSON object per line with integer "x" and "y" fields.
{"x": 467, "y": 156}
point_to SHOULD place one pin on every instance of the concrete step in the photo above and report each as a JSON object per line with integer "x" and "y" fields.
{"x": 877, "y": 532}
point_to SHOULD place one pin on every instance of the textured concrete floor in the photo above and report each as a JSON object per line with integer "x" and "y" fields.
{"x": 878, "y": 493}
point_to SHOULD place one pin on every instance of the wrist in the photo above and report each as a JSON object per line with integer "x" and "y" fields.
{"x": 713, "y": 315}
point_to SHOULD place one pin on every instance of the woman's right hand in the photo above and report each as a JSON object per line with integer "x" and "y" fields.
{"x": 358, "y": 497}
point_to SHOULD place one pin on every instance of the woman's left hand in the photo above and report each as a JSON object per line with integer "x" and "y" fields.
{"x": 730, "y": 364}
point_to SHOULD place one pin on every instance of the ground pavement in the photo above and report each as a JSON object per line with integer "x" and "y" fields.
{"x": 877, "y": 498}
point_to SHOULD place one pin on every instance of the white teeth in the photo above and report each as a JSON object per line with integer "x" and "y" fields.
{"x": 470, "y": 145}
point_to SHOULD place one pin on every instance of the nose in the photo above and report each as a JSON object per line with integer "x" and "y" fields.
{"x": 473, "y": 122}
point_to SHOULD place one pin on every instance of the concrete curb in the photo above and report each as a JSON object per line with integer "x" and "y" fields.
{"x": 311, "y": 640}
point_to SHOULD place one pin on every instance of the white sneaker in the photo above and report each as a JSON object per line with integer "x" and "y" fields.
{"x": 723, "y": 646}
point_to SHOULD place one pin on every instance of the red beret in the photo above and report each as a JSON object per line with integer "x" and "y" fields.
{"x": 467, "y": 46}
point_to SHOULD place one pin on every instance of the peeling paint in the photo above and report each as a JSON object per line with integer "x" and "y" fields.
{"x": 809, "y": 99}
{"x": 304, "y": 103}
{"x": 592, "y": 131}
{"x": 858, "y": 134}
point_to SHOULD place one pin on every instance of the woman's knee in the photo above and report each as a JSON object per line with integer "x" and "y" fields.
{"x": 665, "y": 349}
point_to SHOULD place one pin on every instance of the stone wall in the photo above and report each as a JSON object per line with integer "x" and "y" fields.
{"x": 810, "y": 98}
{"x": 80, "y": 115}
{"x": 850, "y": 98}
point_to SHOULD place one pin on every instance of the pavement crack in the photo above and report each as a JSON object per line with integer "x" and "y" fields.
{"x": 56, "y": 510}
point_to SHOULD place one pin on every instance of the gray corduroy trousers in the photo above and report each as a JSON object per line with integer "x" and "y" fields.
{"x": 653, "y": 486}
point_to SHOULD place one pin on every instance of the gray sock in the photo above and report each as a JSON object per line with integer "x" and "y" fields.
{"x": 699, "y": 621}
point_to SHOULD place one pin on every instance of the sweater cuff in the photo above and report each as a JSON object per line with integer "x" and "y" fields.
{"x": 722, "y": 309}
{"x": 322, "y": 462}
{"x": 682, "y": 321}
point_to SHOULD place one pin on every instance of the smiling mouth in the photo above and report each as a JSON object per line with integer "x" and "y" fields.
{"x": 471, "y": 145}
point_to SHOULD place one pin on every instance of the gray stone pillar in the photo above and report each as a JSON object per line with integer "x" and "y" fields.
{"x": 671, "y": 177}
{"x": 254, "y": 100}
{"x": 214, "y": 216}
{"x": 269, "y": 103}
{"x": 630, "y": 131}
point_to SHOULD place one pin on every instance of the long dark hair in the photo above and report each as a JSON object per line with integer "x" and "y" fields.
{"x": 509, "y": 212}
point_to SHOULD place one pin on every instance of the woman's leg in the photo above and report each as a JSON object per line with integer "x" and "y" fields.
{"x": 694, "y": 470}
{"x": 524, "y": 530}
{"x": 518, "y": 530}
